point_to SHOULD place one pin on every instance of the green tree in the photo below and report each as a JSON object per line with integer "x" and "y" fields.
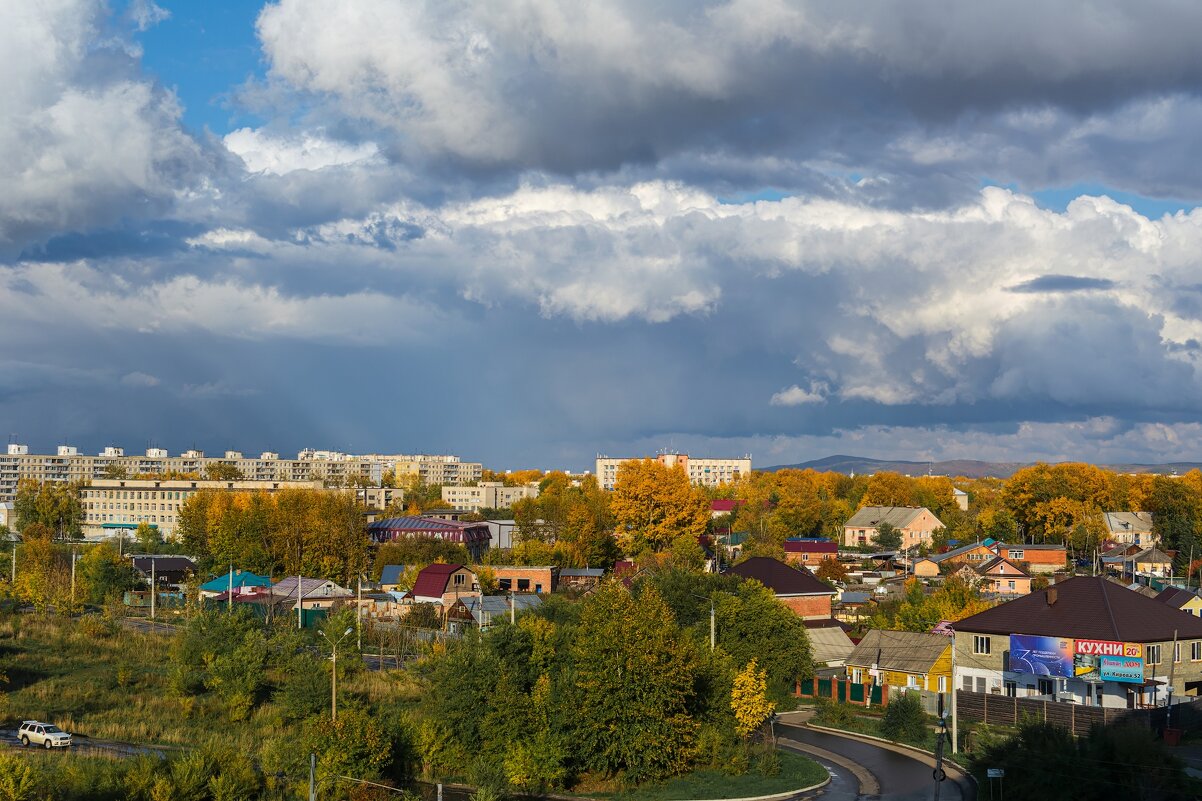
{"x": 887, "y": 537}
{"x": 104, "y": 575}
{"x": 906, "y": 721}
{"x": 148, "y": 537}
{"x": 223, "y": 471}
{"x": 634, "y": 673}
{"x": 54, "y": 504}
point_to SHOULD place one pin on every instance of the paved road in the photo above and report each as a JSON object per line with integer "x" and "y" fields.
{"x": 901, "y": 777}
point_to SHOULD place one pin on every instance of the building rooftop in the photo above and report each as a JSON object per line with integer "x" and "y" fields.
{"x": 431, "y": 582}
{"x": 1128, "y": 522}
{"x": 873, "y": 516}
{"x": 901, "y": 651}
{"x": 781, "y": 578}
{"x": 390, "y": 574}
{"x": 1086, "y": 607}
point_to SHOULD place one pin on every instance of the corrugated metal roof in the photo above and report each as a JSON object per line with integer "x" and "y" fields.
{"x": 873, "y": 516}
{"x": 782, "y": 579}
{"x": 1128, "y": 522}
{"x": 829, "y": 644}
{"x": 431, "y": 582}
{"x": 391, "y": 573}
{"x": 242, "y": 578}
{"x": 901, "y": 651}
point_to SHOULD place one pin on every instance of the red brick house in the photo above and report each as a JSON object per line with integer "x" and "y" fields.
{"x": 796, "y": 589}
{"x": 519, "y": 579}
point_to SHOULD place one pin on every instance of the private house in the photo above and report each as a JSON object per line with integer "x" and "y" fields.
{"x": 1185, "y": 600}
{"x": 382, "y": 606}
{"x": 390, "y": 575}
{"x": 314, "y": 593}
{"x": 973, "y": 554}
{"x": 444, "y": 584}
{"x": 797, "y": 589}
{"x": 169, "y": 571}
{"x": 485, "y": 610}
{"x": 961, "y": 498}
{"x": 580, "y": 578}
{"x": 1002, "y": 577}
{"x": 723, "y": 506}
{"x": 1043, "y": 558}
{"x": 1152, "y": 562}
{"x": 1085, "y": 640}
{"x": 538, "y": 580}
{"x": 915, "y": 524}
{"x": 809, "y": 550}
{"x": 910, "y": 659}
{"x": 829, "y": 644}
{"x": 852, "y": 606}
{"x": 1129, "y": 528}
{"x": 239, "y": 581}
{"x": 473, "y": 536}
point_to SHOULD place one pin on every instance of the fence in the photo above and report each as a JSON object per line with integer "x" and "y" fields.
{"x": 1008, "y": 711}
{"x": 843, "y": 691}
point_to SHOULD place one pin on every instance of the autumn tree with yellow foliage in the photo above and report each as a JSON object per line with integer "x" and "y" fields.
{"x": 654, "y": 504}
{"x": 749, "y": 700}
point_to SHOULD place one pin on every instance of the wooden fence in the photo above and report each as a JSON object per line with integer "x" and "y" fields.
{"x": 1008, "y": 711}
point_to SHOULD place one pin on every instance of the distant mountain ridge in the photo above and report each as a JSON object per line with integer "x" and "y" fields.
{"x": 969, "y": 468}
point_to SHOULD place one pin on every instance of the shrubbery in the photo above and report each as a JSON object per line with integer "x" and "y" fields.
{"x": 905, "y": 720}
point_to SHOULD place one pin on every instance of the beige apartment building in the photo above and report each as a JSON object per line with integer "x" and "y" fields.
{"x": 332, "y": 468}
{"x": 488, "y": 495}
{"x": 703, "y": 472}
{"x": 114, "y": 505}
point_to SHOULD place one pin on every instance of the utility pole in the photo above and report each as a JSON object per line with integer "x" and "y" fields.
{"x": 955, "y": 731}
{"x": 359, "y": 614}
{"x": 154, "y": 590}
{"x": 14, "y": 563}
{"x": 73, "y": 577}
{"x": 513, "y": 614}
{"x": 1168, "y": 712}
{"x": 312, "y": 777}
{"x": 713, "y": 626}
{"x": 334, "y": 671}
{"x": 230, "y": 594}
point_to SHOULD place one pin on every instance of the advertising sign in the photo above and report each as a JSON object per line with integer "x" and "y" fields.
{"x": 1121, "y": 668}
{"x": 1107, "y": 660}
{"x": 1042, "y": 656}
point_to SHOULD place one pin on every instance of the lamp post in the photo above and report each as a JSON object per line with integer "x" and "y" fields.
{"x": 334, "y": 670}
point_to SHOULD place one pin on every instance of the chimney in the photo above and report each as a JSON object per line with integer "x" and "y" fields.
{"x": 1051, "y": 596}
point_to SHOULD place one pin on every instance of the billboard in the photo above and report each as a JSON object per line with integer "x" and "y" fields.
{"x": 1042, "y": 656}
{"x": 1108, "y": 660}
{"x": 1122, "y": 668}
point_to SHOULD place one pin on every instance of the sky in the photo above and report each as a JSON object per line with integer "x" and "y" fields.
{"x": 535, "y": 231}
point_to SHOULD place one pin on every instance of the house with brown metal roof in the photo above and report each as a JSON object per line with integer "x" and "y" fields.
{"x": 797, "y": 589}
{"x": 1086, "y": 640}
{"x": 444, "y": 584}
{"x": 1183, "y": 599}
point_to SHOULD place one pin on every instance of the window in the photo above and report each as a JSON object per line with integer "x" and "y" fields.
{"x": 1011, "y": 688}
{"x": 980, "y": 684}
{"x": 1011, "y": 584}
{"x": 980, "y": 644}
{"x": 524, "y": 584}
{"x": 943, "y": 684}
{"x": 1176, "y": 652}
{"x": 967, "y": 684}
{"x": 1195, "y": 651}
{"x": 1153, "y": 654}
{"x": 857, "y": 675}
{"x": 1016, "y": 554}
{"x": 460, "y": 579}
{"x": 1047, "y": 686}
{"x": 911, "y": 682}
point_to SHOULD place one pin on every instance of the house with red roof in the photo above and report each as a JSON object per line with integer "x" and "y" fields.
{"x": 724, "y": 506}
{"x": 474, "y": 536}
{"x": 443, "y": 583}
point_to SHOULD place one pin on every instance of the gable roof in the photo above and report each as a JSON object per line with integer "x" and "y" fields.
{"x": 1151, "y": 555}
{"x": 725, "y": 505}
{"x": 452, "y": 530}
{"x": 829, "y": 644}
{"x": 954, "y": 552}
{"x": 1175, "y": 597}
{"x": 1128, "y": 522}
{"x": 1010, "y": 568}
{"x": 164, "y": 565}
{"x": 310, "y": 588}
{"x": 1043, "y": 546}
{"x": 781, "y": 578}
{"x": 901, "y": 651}
{"x": 1086, "y": 607}
{"x": 896, "y": 516}
{"x": 486, "y": 608}
{"x": 810, "y": 545}
{"x": 432, "y": 581}
{"x": 242, "y": 578}
{"x": 390, "y": 574}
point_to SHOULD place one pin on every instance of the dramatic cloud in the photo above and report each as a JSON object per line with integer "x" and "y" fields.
{"x": 533, "y": 232}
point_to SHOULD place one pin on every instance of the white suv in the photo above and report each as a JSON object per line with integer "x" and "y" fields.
{"x": 44, "y": 734}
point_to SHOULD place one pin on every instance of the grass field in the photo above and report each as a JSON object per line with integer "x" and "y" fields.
{"x": 796, "y": 771}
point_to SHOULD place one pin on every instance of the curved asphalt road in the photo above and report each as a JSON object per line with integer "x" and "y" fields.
{"x": 902, "y": 778}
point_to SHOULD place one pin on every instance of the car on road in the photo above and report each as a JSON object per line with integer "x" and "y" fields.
{"x": 47, "y": 735}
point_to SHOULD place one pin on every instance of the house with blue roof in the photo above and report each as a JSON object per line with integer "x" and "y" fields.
{"x": 242, "y": 581}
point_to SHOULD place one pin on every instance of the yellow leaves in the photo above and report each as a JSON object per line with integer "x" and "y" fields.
{"x": 654, "y": 504}
{"x": 749, "y": 701}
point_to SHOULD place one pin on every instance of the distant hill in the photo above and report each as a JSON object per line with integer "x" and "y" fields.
{"x": 970, "y": 468}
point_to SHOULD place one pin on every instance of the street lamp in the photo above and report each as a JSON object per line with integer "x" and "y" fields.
{"x": 334, "y": 670}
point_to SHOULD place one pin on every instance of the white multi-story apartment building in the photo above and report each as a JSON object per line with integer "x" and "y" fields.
{"x": 112, "y": 505}
{"x": 704, "y": 472}
{"x": 488, "y": 495}
{"x": 329, "y": 467}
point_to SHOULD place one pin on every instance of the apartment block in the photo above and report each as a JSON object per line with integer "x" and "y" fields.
{"x": 331, "y": 468}
{"x": 488, "y": 495}
{"x": 114, "y": 505}
{"x": 701, "y": 471}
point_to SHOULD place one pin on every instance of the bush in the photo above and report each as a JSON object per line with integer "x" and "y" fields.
{"x": 906, "y": 721}
{"x": 832, "y": 714}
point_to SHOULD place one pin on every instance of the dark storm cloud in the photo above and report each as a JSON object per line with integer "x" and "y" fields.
{"x": 1062, "y": 283}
